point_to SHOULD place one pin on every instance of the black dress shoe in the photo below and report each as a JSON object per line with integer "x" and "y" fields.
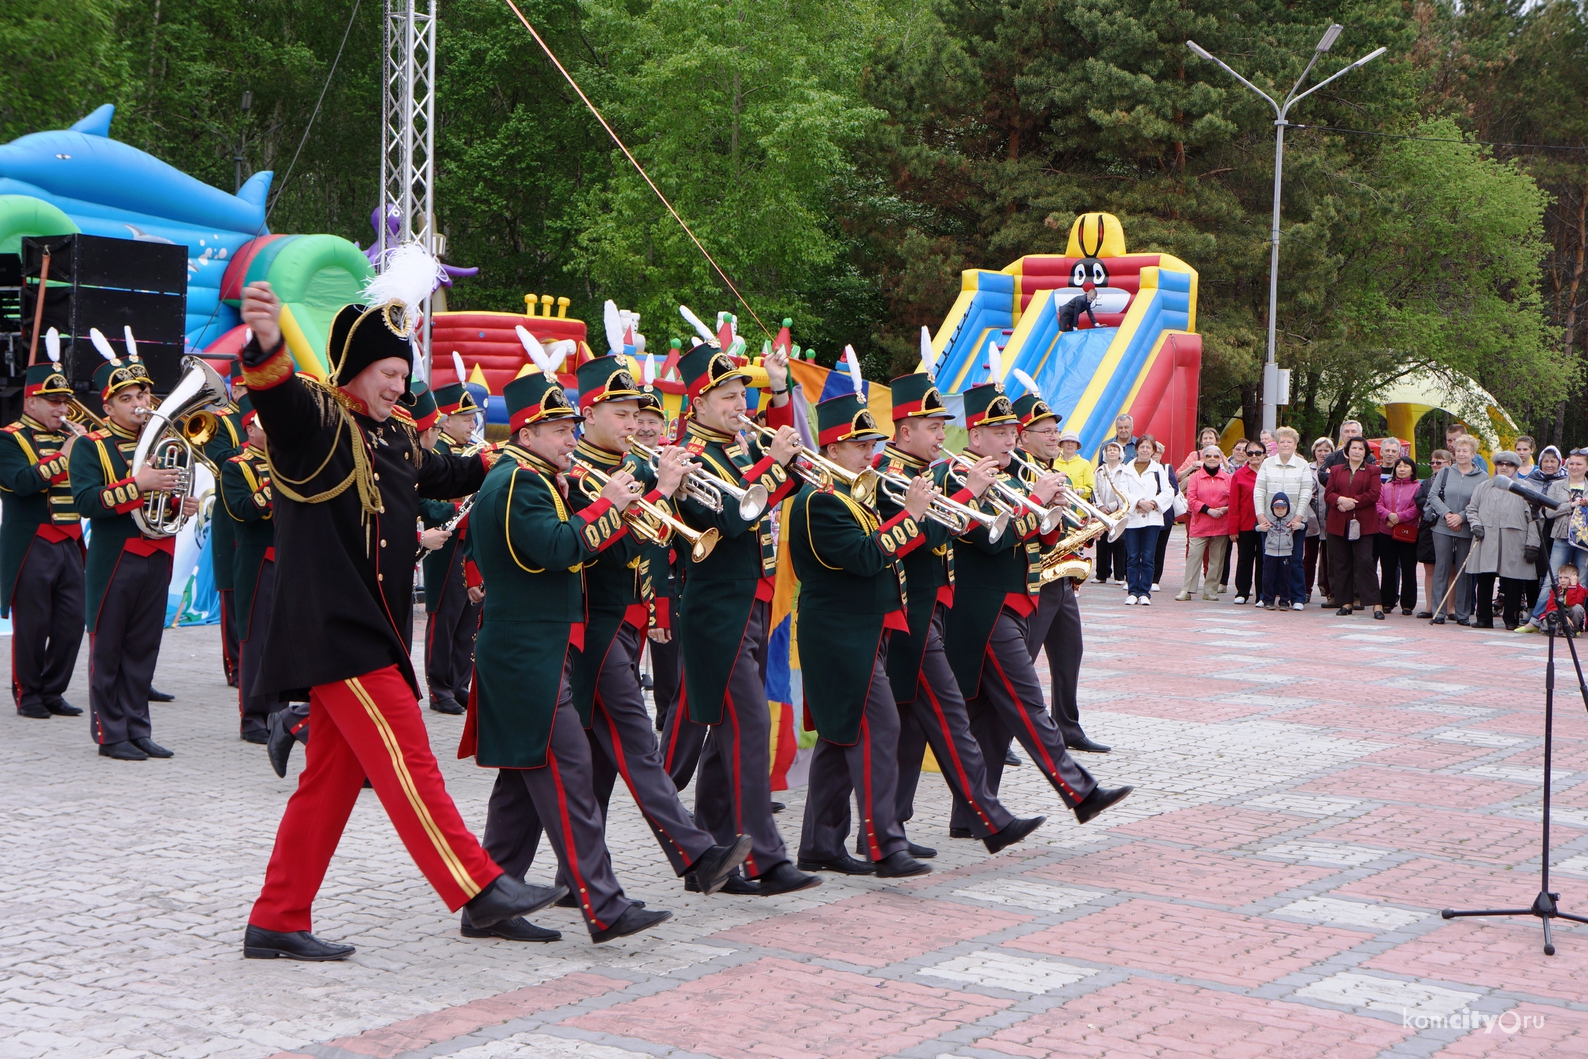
{"x": 778, "y": 807}
{"x": 257, "y": 736}
{"x": 960, "y": 832}
{"x": 1100, "y": 798}
{"x": 1423, "y": 613}
{"x": 37, "y": 711}
{"x": 261, "y": 944}
{"x": 632, "y": 921}
{"x": 900, "y": 865}
{"x": 507, "y": 897}
{"x": 156, "y": 695}
{"x": 843, "y": 863}
{"x": 1011, "y": 758}
{"x": 516, "y": 929}
{"x": 61, "y": 708}
{"x": 446, "y": 704}
{"x": 712, "y": 870}
{"x": 1089, "y": 746}
{"x": 122, "y": 752}
{"x": 150, "y": 747}
{"x": 278, "y": 742}
{"x": 1013, "y": 832}
{"x": 1440, "y": 620}
{"x": 736, "y": 884}
{"x": 921, "y": 852}
{"x": 786, "y": 879}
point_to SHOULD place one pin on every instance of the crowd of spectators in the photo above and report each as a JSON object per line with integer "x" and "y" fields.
{"x": 1349, "y": 528}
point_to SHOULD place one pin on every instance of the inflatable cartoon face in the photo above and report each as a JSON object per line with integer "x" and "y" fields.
{"x": 1089, "y": 270}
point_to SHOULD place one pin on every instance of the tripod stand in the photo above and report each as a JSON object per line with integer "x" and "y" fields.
{"x": 1545, "y": 905}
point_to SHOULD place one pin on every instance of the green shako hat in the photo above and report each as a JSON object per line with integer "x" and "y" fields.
{"x": 916, "y": 397}
{"x": 606, "y": 379}
{"x": 986, "y": 405}
{"x": 1031, "y": 408}
{"x": 846, "y": 418}
{"x": 535, "y": 397}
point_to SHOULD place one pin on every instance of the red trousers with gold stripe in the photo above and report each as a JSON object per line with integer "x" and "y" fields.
{"x": 367, "y": 726}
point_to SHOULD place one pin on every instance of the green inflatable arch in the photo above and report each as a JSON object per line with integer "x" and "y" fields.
{"x": 22, "y": 215}
{"x": 314, "y": 276}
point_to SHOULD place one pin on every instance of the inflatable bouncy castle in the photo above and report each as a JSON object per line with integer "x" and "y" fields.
{"x": 1143, "y": 356}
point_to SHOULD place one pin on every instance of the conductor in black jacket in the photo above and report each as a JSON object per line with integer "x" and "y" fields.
{"x": 1070, "y": 312}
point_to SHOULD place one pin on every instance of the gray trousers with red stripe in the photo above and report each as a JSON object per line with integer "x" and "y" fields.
{"x": 1057, "y": 626}
{"x": 937, "y": 718}
{"x": 733, "y": 792}
{"x": 558, "y": 797}
{"x": 625, "y": 745}
{"x": 1009, "y": 702}
{"x": 870, "y": 768}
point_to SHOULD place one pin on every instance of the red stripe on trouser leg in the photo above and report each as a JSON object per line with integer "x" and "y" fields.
{"x": 622, "y": 763}
{"x": 572, "y": 849}
{"x": 368, "y": 726}
{"x": 868, "y": 807}
{"x": 1050, "y": 768}
{"x": 953, "y": 750}
{"x": 676, "y": 719}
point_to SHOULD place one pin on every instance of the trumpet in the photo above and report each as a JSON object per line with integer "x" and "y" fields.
{"x": 819, "y": 471}
{"x": 1006, "y": 498}
{"x": 171, "y": 438}
{"x": 944, "y": 509}
{"x": 1114, "y": 523}
{"x": 706, "y": 489}
{"x": 652, "y": 522}
{"x": 77, "y": 412}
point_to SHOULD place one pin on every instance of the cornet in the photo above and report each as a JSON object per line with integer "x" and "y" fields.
{"x": 944, "y": 509}
{"x": 650, "y": 522}
{"x": 1114, "y": 523}
{"x": 1006, "y": 498}
{"x": 706, "y": 489}
{"x": 819, "y": 471}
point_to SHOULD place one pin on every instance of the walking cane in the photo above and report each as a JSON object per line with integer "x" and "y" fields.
{"x": 1460, "y": 573}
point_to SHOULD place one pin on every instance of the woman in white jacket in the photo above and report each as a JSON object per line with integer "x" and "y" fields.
{"x": 1144, "y": 487}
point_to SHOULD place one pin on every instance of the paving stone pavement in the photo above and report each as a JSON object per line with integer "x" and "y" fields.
{"x": 1311, "y": 790}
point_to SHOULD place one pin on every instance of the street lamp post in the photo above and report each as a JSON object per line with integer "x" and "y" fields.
{"x": 242, "y": 139}
{"x": 1281, "y": 110}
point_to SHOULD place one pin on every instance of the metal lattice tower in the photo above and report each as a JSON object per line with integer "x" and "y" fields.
{"x": 408, "y": 111}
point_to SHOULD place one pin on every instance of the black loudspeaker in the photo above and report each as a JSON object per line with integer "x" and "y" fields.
{"x": 110, "y": 284}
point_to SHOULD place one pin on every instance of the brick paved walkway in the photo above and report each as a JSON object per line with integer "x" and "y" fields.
{"x": 1311, "y": 790}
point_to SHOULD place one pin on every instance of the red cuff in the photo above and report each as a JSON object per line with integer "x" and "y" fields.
{"x": 915, "y": 541}
{"x": 594, "y": 512}
{"x": 122, "y": 496}
{"x": 964, "y": 496}
{"x": 661, "y": 613}
{"x": 754, "y": 473}
{"x": 780, "y": 416}
{"x": 59, "y": 475}
{"x": 471, "y": 574}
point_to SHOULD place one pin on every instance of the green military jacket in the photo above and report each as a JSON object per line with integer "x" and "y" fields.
{"x": 228, "y": 441}
{"x": 439, "y": 564}
{"x": 247, "y": 504}
{"x": 616, "y": 580}
{"x": 851, "y": 580}
{"x": 926, "y": 570}
{"x": 104, "y": 492}
{"x": 530, "y": 549}
{"x": 35, "y": 491}
{"x": 719, "y": 592}
{"x": 986, "y": 575}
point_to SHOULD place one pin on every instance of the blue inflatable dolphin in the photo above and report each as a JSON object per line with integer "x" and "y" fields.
{"x": 112, "y": 189}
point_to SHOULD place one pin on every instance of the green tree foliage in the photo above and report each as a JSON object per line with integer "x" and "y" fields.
{"x": 57, "y": 62}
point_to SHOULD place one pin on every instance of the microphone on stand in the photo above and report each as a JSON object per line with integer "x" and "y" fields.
{"x": 1528, "y": 493}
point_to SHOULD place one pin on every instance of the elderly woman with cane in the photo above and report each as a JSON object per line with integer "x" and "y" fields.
{"x": 1449, "y": 492}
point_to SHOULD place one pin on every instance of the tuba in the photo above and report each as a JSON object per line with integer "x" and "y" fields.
{"x": 171, "y": 439}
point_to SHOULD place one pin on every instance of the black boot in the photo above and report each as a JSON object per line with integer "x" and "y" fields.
{"x": 507, "y": 897}
{"x": 261, "y": 944}
{"x": 1100, "y": 798}
{"x": 1013, "y": 832}
{"x": 712, "y": 870}
{"x": 632, "y": 921}
{"x": 786, "y": 879}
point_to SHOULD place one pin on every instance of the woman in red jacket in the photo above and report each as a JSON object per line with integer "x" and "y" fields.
{"x": 1243, "y": 521}
{"x": 1351, "y": 494}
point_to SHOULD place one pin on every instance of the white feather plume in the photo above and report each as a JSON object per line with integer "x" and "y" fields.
{"x": 409, "y": 276}
{"x": 132, "y": 346}
{"x": 559, "y": 352}
{"x": 457, "y": 366}
{"x": 536, "y": 352}
{"x": 1028, "y": 382}
{"x": 650, "y": 369}
{"x": 853, "y": 362}
{"x": 613, "y": 319}
{"x": 707, "y": 334}
{"x": 102, "y": 344}
{"x": 995, "y": 362}
{"x": 928, "y": 357}
{"x": 52, "y": 345}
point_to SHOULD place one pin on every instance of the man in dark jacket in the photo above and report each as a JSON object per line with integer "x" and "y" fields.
{"x": 1070, "y": 312}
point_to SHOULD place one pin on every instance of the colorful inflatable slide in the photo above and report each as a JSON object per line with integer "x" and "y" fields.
{"x": 1143, "y": 357}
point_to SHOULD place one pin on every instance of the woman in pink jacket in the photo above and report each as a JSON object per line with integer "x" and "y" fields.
{"x": 1211, "y": 528}
{"x": 1397, "y": 506}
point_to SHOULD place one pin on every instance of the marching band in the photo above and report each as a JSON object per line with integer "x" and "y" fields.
{"x": 928, "y": 584}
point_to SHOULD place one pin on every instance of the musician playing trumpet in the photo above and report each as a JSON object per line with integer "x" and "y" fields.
{"x": 128, "y": 571}
{"x": 931, "y": 708}
{"x": 996, "y": 594}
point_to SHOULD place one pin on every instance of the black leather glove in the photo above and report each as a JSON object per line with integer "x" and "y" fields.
{"x": 1477, "y": 533}
{"x": 1530, "y": 553}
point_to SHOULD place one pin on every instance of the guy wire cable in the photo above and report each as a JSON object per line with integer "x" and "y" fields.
{"x": 635, "y": 162}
